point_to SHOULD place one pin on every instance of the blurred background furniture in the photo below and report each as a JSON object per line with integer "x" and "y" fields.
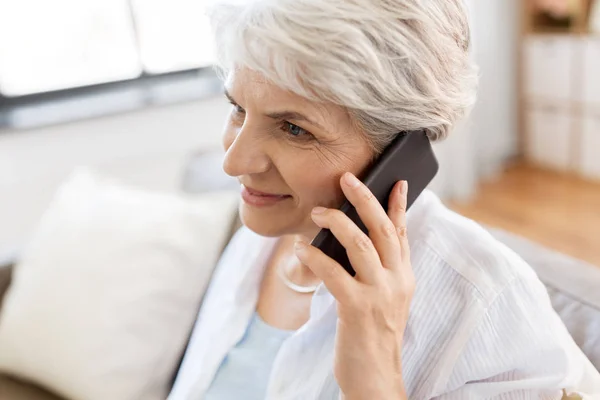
{"x": 560, "y": 86}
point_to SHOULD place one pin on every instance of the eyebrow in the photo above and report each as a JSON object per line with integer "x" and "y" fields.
{"x": 229, "y": 96}
{"x": 293, "y": 115}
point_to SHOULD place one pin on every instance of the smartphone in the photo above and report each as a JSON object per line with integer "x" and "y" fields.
{"x": 409, "y": 157}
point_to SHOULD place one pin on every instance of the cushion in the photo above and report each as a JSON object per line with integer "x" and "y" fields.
{"x": 572, "y": 286}
{"x": 104, "y": 297}
{"x": 5, "y": 277}
{"x": 12, "y": 389}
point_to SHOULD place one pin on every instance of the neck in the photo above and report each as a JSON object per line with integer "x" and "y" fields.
{"x": 299, "y": 273}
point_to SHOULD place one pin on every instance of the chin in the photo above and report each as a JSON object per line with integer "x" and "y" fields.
{"x": 268, "y": 222}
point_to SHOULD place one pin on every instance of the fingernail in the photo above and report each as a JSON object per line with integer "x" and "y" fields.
{"x": 319, "y": 210}
{"x": 403, "y": 188}
{"x": 351, "y": 180}
{"x": 300, "y": 246}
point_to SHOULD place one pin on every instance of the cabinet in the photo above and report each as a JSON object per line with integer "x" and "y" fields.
{"x": 560, "y": 88}
{"x": 549, "y": 139}
{"x": 589, "y": 159}
{"x": 549, "y": 90}
{"x": 549, "y": 68}
{"x": 590, "y": 85}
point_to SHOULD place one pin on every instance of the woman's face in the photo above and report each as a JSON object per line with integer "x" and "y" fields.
{"x": 291, "y": 148}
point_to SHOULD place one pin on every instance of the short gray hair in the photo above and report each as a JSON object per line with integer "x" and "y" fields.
{"x": 394, "y": 65}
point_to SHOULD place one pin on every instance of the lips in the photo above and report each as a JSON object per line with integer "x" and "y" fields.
{"x": 258, "y": 198}
{"x": 255, "y": 192}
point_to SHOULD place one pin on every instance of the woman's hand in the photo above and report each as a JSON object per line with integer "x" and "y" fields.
{"x": 372, "y": 306}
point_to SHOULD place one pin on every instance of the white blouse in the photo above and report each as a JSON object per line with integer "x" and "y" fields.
{"x": 481, "y": 325}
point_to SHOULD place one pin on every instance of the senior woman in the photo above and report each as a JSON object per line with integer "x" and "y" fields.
{"x": 318, "y": 89}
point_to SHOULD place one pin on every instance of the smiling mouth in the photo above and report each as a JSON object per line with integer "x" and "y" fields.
{"x": 257, "y": 198}
{"x": 258, "y": 193}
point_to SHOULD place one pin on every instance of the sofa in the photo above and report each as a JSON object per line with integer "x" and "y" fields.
{"x": 573, "y": 285}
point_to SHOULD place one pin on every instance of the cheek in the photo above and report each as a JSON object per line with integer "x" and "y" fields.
{"x": 316, "y": 185}
{"x": 329, "y": 192}
{"x": 325, "y": 178}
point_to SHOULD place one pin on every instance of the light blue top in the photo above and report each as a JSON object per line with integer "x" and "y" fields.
{"x": 244, "y": 373}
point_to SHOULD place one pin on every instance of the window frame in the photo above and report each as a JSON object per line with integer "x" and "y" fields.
{"x": 199, "y": 84}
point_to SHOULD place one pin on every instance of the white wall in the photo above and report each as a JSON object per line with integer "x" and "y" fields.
{"x": 147, "y": 148}
{"x": 479, "y": 147}
{"x": 495, "y": 26}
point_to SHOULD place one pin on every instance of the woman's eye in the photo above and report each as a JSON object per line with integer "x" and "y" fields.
{"x": 294, "y": 130}
{"x": 236, "y": 108}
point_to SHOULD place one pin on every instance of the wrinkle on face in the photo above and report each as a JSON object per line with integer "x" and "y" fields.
{"x": 308, "y": 170}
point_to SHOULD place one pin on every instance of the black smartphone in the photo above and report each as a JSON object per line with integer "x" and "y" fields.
{"x": 409, "y": 157}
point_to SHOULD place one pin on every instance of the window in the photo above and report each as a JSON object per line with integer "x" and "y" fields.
{"x": 61, "y": 44}
{"x": 173, "y": 35}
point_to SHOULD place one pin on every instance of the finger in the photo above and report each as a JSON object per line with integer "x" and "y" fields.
{"x": 336, "y": 279}
{"x": 361, "y": 251}
{"x": 397, "y": 214}
{"x": 381, "y": 229}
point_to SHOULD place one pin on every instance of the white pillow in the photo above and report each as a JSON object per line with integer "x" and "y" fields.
{"x": 103, "y": 301}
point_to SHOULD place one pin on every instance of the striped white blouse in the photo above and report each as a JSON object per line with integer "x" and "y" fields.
{"x": 481, "y": 325}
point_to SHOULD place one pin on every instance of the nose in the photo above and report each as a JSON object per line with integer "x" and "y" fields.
{"x": 245, "y": 152}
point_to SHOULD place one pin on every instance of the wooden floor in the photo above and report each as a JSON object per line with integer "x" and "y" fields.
{"x": 558, "y": 211}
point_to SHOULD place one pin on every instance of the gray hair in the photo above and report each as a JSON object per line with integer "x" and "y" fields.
{"x": 394, "y": 65}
